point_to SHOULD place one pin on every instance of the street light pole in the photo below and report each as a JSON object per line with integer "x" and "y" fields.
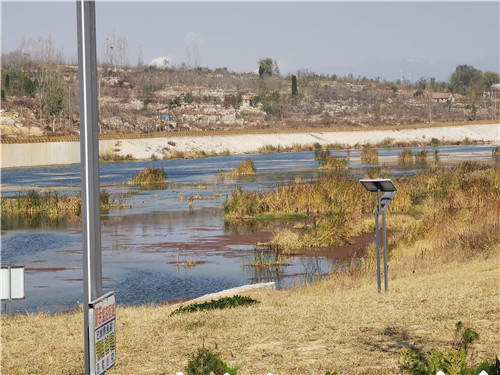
{"x": 89, "y": 163}
{"x": 387, "y": 187}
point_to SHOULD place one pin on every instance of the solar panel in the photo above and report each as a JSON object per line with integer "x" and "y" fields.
{"x": 382, "y": 184}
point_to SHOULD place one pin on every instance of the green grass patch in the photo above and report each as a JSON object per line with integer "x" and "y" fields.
{"x": 205, "y": 362}
{"x": 149, "y": 176}
{"x": 451, "y": 362}
{"x": 221, "y": 303}
{"x": 280, "y": 216}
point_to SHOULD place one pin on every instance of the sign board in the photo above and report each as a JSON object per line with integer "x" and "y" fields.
{"x": 102, "y": 333}
{"x": 12, "y": 279}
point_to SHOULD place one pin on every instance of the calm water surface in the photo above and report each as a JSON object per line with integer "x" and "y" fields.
{"x": 142, "y": 244}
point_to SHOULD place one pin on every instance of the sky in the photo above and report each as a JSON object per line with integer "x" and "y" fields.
{"x": 391, "y": 40}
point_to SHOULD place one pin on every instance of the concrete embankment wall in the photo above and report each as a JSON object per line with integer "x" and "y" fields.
{"x": 17, "y": 155}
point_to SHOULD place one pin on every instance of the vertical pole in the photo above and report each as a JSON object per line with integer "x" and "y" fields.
{"x": 377, "y": 241}
{"x": 386, "y": 282}
{"x": 9, "y": 310}
{"x": 89, "y": 163}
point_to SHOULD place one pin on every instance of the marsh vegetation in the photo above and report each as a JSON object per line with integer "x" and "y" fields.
{"x": 369, "y": 156}
{"x": 336, "y": 207}
{"x": 149, "y": 176}
{"x": 49, "y": 206}
{"x": 246, "y": 168}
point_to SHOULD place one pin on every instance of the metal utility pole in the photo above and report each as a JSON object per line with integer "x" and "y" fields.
{"x": 89, "y": 163}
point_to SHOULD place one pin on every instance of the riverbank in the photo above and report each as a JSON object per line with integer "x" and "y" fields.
{"x": 18, "y": 155}
{"x": 327, "y": 326}
{"x": 444, "y": 256}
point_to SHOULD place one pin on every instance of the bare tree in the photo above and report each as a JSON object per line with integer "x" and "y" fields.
{"x": 43, "y": 50}
{"x": 193, "y": 49}
{"x": 140, "y": 61}
{"x": 115, "y": 50}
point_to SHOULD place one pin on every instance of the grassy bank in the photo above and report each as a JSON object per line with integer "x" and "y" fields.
{"x": 345, "y": 327}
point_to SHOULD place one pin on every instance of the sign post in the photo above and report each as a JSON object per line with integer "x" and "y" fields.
{"x": 102, "y": 326}
{"x": 12, "y": 284}
{"x": 89, "y": 166}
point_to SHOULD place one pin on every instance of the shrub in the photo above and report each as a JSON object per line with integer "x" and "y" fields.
{"x": 318, "y": 150}
{"x": 326, "y": 160}
{"x": 405, "y": 157}
{"x": 387, "y": 142}
{"x": 267, "y": 149}
{"x": 451, "y": 362}
{"x": 421, "y": 157}
{"x": 369, "y": 156}
{"x": 221, "y": 303}
{"x": 286, "y": 241}
{"x": 246, "y": 168}
{"x": 496, "y": 152}
{"x": 149, "y": 176}
{"x": 113, "y": 157}
{"x": 233, "y": 101}
{"x": 205, "y": 362}
{"x": 333, "y": 163}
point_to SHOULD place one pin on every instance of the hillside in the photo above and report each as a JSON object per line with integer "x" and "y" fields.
{"x": 43, "y": 100}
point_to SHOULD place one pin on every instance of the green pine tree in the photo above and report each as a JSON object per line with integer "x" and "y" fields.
{"x": 294, "y": 85}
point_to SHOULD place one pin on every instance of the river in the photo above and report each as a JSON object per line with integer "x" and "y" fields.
{"x": 145, "y": 246}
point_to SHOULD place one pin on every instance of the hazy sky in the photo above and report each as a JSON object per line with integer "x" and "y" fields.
{"x": 386, "y": 39}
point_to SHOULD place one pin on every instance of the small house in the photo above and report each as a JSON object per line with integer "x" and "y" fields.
{"x": 247, "y": 100}
{"x": 442, "y": 97}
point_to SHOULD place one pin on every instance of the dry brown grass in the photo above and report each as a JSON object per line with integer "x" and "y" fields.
{"x": 369, "y": 156}
{"x": 246, "y": 168}
{"x": 308, "y": 330}
{"x": 149, "y": 176}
